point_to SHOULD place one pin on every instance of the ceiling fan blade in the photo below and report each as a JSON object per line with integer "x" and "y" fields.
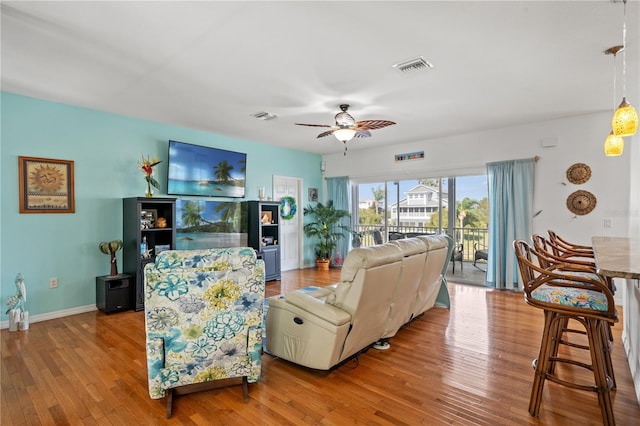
{"x": 372, "y": 124}
{"x": 362, "y": 134}
{"x": 313, "y": 125}
{"x": 327, "y": 133}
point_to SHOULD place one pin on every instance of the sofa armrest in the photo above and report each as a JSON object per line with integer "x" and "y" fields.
{"x": 317, "y": 308}
{"x": 319, "y": 293}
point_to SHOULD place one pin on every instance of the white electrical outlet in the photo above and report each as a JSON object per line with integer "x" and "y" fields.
{"x": 607, "y": 223}
{"x": 53, "y": 283}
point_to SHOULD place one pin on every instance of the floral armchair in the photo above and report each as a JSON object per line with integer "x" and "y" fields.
{"x": 203, "y": 318}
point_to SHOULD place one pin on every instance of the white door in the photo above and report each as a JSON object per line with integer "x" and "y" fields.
{"x": 291, "y": 229}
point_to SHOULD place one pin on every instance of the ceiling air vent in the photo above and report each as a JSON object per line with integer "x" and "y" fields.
{"x": 264, "y": 116}
{"x": 416, "y": 64}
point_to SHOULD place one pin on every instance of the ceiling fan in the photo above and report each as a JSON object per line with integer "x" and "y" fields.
{"x": 347, "y": 128}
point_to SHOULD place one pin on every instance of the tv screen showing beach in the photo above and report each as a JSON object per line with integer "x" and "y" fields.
{"x": 209, "y": 224}
{"x": 205, "y": 171}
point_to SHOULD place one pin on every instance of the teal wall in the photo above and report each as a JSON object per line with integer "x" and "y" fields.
{"x": 105, "y": 149}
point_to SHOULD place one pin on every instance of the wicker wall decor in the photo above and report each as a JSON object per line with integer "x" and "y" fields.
{"x": 581, "y": 202}
{"x": 578, "y": 173}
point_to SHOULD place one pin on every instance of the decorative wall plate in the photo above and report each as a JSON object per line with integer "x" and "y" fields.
{"x": 578, "y": 173}
{"x": 581, "y": 202}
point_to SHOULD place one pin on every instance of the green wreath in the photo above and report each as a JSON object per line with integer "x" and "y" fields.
{"x": 291, "y": 202}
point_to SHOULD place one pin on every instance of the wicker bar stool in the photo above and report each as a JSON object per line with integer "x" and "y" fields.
{"x": 574, "y": 252}
{"x": 556, "y": 239}
{"x": 550, "y": 254}
{"x": 565, "y": 295}
{"x": 563, "y": 253}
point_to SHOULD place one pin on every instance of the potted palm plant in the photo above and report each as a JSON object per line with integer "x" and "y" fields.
{"x": 326, "y": 228}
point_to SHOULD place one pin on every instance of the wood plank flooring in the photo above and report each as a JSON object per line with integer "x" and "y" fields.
{"x": 468, "y": 365}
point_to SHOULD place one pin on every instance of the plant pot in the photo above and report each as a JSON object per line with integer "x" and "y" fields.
{"x": 323, "y": 264}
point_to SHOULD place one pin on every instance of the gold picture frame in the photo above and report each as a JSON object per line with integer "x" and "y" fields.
{"x": 46, "y": 185}
{"x": 267, "y": 217}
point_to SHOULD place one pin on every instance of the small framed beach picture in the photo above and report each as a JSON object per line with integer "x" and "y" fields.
{"x": 162, "y": 247}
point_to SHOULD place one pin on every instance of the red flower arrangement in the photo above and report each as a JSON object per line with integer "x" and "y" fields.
{"x": 146, "y": 167}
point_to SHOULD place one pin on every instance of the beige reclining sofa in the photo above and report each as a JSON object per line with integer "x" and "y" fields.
{"x": 381, "y": 288}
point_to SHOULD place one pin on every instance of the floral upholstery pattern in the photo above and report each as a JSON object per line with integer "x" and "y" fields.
{"x": 203, "y": 317}
{"x": 567, "y": 296}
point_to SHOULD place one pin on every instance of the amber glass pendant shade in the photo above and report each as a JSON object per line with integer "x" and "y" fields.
{"x": 625, "y": 120}
{"x": 613, "y": 145}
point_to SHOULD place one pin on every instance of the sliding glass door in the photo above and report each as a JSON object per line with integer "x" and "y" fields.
{"x": 455, "y": 205}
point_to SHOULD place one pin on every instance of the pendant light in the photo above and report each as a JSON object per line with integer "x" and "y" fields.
{"x": 613, "y": 145}
{"x": 625, "y": 119}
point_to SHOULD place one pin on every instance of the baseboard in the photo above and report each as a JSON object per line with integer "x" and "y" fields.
{"x": 305, "y": 266}
{"x": 634, "y": 366}
{"x": 55, "y": 314}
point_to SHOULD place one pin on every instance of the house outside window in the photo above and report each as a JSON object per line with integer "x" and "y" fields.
{"x": 416, "y": 209}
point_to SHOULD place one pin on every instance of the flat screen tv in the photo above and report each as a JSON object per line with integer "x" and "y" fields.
{"x": 205, "y": 171}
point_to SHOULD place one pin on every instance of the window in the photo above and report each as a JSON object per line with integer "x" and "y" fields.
{"x": 397, "y": 203}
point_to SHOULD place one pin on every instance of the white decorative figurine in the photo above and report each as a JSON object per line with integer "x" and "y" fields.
{"x": 17, "y": 315}
{"x": 147, "y": 254}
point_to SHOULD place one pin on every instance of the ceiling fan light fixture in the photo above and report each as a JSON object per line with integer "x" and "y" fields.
{"x": 344, "y": 119}
{"x": 613, "y": 145}
{"x": 344, "y": 135}
{"x": 347, "y": 127}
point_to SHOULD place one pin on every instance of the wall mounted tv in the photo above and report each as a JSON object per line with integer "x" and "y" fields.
{"x": 206, "y": 171}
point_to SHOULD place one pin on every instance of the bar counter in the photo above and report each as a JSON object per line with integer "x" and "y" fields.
{"x": 617, "y": 256}
{"x": 620, "y": 258}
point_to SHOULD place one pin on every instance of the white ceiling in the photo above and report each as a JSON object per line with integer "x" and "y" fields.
{"x": 210, "y": 65}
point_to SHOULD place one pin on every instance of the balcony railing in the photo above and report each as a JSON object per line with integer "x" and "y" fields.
{"x": 465, "y": 236}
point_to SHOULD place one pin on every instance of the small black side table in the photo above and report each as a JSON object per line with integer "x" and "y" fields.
{"x": 113, "y": 293}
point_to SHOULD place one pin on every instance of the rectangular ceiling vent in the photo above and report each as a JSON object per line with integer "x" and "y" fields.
{"x": 264, "y": 116}
{"x": 416, "y": 64}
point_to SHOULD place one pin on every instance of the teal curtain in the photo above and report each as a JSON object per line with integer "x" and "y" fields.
{"x": 338, "y": 190}
{"x": 510, "y": 216}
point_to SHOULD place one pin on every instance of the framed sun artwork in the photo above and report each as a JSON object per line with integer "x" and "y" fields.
{"x": 45, "y": 185}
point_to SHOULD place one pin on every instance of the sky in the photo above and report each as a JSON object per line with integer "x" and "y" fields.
{"x": 474, "y": 187}
{"x": 194, "y": 162}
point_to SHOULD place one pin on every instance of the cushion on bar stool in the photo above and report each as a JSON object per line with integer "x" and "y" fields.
{"x": 576, "y": 297}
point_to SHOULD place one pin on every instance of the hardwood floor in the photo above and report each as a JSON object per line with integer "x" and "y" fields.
{"x": 470, "y": 364}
